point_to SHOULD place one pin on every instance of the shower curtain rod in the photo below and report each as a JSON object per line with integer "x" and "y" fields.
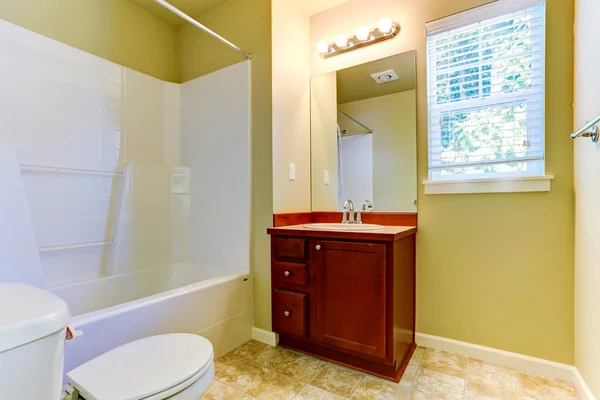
{"x": 346, "y": 115}
{"x": 197, "y": 24}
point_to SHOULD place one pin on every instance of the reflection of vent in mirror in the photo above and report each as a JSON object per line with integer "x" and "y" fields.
{"x": 384, "y": 76}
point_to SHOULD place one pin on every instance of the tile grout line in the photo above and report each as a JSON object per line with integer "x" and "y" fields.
{"x": 241, "y": 392}
{"x": 521, "y": 392}
{"x": 300, "y": 392}
{"x": 306, "y": 383}
{"x": 251, "y": 362}
{"x": 412, "y": 385}
{"x": 315, "y": 376}
{"x": 334, "y": 365}
{"x": 357, "y": 386}
{"x": 274, "y": 370}
{"x": 466, "y": 377}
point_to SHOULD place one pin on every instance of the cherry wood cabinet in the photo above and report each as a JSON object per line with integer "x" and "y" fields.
{"x": 347, "y": 297}
{"x": 351, "y": 296}
{"x": 293, "y": 307}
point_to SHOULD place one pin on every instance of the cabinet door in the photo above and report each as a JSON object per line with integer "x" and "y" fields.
{"x": 351, "y": 296}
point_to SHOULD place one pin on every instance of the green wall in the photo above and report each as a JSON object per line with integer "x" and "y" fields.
{"x": 248, "y": 25}
{"x": 116, "y": 30}
{"x": 497, "y": 269}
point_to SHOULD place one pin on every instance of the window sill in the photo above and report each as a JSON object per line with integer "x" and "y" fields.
{"x": 490, "y": 185}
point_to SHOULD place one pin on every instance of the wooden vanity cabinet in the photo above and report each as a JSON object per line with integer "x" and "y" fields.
{"x": 351, "y": 296}
{"x": 346, "y": 297}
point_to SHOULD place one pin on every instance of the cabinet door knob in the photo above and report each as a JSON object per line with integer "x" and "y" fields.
{"x": 287, "y": 273}
{"x": 318, "y": 247}
{"x": 287, "y": 313}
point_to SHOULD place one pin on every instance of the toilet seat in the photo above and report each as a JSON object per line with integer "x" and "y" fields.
{"x": 152, "y": 368}
{"x": 207, "y": 370}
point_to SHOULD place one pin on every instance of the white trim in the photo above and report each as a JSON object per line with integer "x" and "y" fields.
{"x": 478, "y": 14}
{"x": 533, "y": 97}
{"x": 522, "y": 362}
{"x": 584, "y": 391}
{"x": 491, "y": 185}
{"x": 260, "y": 335}
{"x": 537, "y": 366}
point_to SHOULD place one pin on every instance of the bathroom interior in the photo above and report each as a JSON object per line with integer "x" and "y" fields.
{"x": 318, "y": 199}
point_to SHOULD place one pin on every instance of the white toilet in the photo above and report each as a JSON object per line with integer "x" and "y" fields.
{"x": 32, "y": 336}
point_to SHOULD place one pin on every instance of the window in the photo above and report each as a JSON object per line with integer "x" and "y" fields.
{"x": 485, "y": 92}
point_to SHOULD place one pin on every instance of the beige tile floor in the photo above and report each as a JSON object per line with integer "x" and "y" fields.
{"x": 258, "y": 371}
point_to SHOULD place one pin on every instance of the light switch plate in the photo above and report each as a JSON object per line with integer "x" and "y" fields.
{"x": 326, "y": 177}
{"x": 292, "y": 172}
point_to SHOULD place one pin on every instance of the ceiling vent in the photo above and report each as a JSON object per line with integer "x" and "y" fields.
{"x": 385, "y": 76}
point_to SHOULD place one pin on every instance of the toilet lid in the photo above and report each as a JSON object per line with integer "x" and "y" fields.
{"x": 143, "y": 368}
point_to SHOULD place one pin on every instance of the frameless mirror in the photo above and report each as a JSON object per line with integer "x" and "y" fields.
{"x": 364, "y": 136}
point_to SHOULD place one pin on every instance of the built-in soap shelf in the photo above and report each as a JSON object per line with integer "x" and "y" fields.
{"x": 180, "y": 180}
{"x": 73, "y": 246}
{"x": 71, "y": 171}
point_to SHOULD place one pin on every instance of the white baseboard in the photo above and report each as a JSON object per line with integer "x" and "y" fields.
{"x": 263, "y": 336}
{"x": 584, "y": 391}
{"x": 522, "y": 362}
{"x": 534, "y": 365}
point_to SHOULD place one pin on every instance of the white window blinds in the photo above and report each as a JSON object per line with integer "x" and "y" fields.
{"x": 485, "y": 88}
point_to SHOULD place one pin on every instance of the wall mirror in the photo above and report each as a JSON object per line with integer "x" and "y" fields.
{"x": 364, "y": 136}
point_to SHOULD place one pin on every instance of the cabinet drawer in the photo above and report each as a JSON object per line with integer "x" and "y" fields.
{"x": 289, "y": 312}
{"x": 290, "y": 248}
{"x": 287, "y": 272}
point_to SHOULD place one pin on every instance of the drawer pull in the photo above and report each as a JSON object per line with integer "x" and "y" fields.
{"x": 318, "y": 247}
{"x": 287, "y": 313}
{"x": 288, "y": 273}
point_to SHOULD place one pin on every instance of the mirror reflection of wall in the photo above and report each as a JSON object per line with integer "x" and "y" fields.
{"x": 363, "y": 136}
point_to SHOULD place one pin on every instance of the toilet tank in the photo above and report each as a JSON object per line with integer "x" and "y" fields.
{"x": 32, "y": 338}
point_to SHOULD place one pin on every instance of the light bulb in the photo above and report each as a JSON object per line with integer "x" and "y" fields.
{"x": 323, "y": 46}
{"x": 385, "y": 25}
{"x": 362, "y": 33}
{"x": 341, "y": 41}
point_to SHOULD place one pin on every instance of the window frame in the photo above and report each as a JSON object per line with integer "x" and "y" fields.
{"x": 535, "y": 165}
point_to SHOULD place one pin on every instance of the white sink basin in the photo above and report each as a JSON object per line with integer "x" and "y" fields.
{"x": 344, "y": 227}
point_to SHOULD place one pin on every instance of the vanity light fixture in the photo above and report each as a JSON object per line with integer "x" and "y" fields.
{"x": 385, "y": 25}
{"x": 363, "y": 33}
{"x": 386, "y": 29}
{"x": 322, "y": 46}
{"x": 341, "y": 41}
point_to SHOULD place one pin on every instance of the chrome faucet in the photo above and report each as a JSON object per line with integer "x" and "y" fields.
{"x": 348, "y": 205}
{"x": 366, "y": 206}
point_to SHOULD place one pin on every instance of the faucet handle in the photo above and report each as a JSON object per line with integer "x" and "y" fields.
{"x": 351, "y": 217}
{"x": 358, "y": 217}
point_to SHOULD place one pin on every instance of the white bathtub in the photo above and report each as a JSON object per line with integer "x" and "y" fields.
{"x": 188, "y": 298}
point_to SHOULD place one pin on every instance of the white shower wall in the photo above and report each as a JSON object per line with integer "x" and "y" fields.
{"x": 357, "y": 169}
{"x": 215, "y": 122}
{"x": 62, "y": 107}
